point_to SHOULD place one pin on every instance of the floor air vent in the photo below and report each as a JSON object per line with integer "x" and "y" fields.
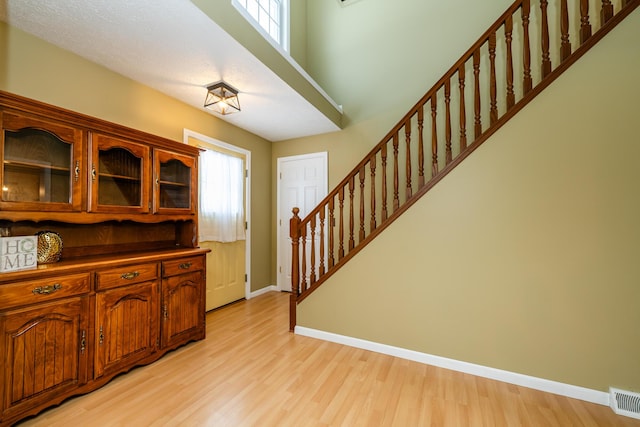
{"x": 625, "y": 403}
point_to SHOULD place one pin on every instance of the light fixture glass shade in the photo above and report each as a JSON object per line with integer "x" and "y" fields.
{"x": 222, "y": 98}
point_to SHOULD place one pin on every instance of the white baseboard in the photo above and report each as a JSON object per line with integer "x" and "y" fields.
{"x": 263, "y": 291}
{"x": 541, "y": 384}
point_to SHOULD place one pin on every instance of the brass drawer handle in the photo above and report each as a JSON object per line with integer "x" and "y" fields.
{"x": 130, "y": 276}
{"x": 48, "y": 289}
{"x": 185, "y": 266}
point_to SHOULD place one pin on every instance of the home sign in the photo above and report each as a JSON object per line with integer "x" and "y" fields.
{"x": 18, "y": 253}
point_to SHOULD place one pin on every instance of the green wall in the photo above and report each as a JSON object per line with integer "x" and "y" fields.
{"x": 35, "y": 69}
{"x": 298, "y": 32}
{"x": 524, "y": 258}
{"x": 376, "y": 56}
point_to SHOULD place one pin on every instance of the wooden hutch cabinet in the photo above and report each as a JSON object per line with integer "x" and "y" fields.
{"x": 129, "y": 285}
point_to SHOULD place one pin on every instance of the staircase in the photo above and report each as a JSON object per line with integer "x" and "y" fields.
{"x": 522, "y": 53}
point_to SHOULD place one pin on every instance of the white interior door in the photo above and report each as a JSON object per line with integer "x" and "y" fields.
{"x": 302, "y": 183}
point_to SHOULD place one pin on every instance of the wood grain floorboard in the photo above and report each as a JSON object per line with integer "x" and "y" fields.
{"x": 250, "y": 371}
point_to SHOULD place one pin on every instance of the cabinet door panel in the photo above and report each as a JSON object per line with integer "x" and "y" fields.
{"x": 183, "y": 314}
{"x": 120, "y": 173}
{"x": 126, "y": 330}
{"x": 175, "y": 183}
{"x": 41, "y": 165}
{"x": 44, "y": 351}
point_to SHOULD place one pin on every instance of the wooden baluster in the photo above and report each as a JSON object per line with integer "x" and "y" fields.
{"x": 463, "y": 113}
{"x": 476, "y": 75}
{"x": 332, "y": 226}
{"x": 508, "y": 35}
{"x": 493, "y": 101}
{"x": 372, "y": 222}
{"x": 341, "y": 207}
{"x": 312, "y": 264}
{"x": 527, "y": 81}
{"x": 384, "y": 213}
{"x": 626, "y": 2}
{"x": 321, "y": 270}
{"x": 294, "y": 233}
{"x": 421, "y": 179}
{"x": 585, "y": 25}
{"x": 303, "y": 259}
{"x": 361, "y": 231}
{"x": 396, "y": 178}
{"x": 434, "y": 136}
{"x": 407, "y": 139}
{"x": 447, "y": 110}
{"x": 544, "y": 37}
{"x": 565, "y": 44}
{"x": 352, "y": 242}
{"x": 606, "y": 12}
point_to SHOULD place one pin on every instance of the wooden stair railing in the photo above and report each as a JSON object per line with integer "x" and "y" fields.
{"x": 370, "y": 197}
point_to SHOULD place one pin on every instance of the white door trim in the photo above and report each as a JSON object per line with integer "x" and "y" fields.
{"x": 189, "y": 133}
{"x": 286, "y": 216}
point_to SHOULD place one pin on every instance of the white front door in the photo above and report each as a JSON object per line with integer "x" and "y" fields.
{"x": 225, "y": 273}
{"x": 302, "y": 183}
{"x": 228, "y": 264}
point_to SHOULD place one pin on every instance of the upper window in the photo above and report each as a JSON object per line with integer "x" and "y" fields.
{"x": 270, "y": 17}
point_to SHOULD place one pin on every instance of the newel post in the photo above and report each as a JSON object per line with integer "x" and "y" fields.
{"x": 294, "y": 233}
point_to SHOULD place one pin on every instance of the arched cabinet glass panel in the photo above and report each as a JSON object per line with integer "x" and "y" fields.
{"x": 119, "y": 173}
{"x": 40, "y": 165}
{"x": 119, "y": 176}
{"x": 175, "y": 177}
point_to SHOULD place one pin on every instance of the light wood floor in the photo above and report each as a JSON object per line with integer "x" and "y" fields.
{"x": 250, "y": 371}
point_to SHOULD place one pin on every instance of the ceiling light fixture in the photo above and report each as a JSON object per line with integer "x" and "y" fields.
{"x": 222, "y": 98}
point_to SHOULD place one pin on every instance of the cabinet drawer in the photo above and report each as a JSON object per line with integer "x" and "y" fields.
{"x": 35, "y": 291}
{"x": 126, "y": 275}
{"x": 182, "y": 265}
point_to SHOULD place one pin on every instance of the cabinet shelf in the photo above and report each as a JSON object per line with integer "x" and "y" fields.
{"x": 120, "y": 177}
{"x": 19, "y": 164}
{"x": 175, "y": 184}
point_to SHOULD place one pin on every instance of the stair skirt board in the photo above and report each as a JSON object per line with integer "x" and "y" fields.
{"x": 535, "y": 383}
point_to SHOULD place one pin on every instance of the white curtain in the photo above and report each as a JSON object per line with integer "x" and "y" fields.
{"x": 221, "y": 212}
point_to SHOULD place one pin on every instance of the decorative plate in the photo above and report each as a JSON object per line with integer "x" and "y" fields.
{"x": 49, "y": 247}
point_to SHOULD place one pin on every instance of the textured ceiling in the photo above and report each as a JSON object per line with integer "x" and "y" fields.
{"x": 173, "y": 47}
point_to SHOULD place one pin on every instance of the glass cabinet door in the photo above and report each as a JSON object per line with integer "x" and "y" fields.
{"x": 41, "y": 165}
{"x": 119, "y": 176}
{"x": 175, "y": 177}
